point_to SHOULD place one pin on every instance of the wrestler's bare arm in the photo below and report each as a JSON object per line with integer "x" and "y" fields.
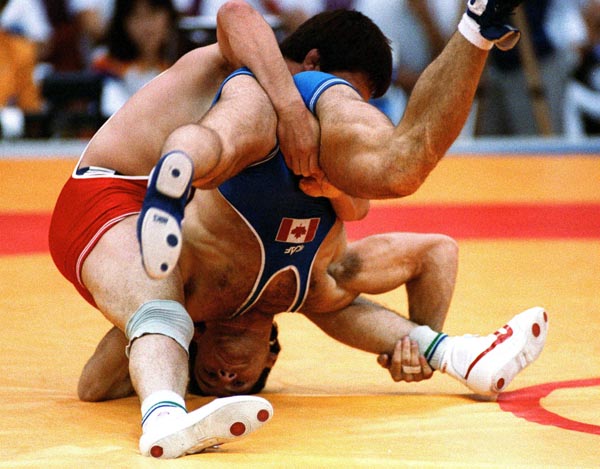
{"x": 246, "y": 39}
{"x": 105, "y": 376}
{"x": 130, "y": 142}
{"x": 425, "y": 263}
{"x": 240, "y": 130}
{"x": 364, "y": 155}
{"x": 372, "y": 328}
{"x": 346, "y": 207}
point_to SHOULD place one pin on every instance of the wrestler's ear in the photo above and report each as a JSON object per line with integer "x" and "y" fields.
{"x": 271, "y": 359}
{"x": 312, "y": 60}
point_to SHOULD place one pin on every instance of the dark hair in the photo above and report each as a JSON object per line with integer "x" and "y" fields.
{"x": 347, "y": 41}
{"x": 274, "y": 347}
{"x": 120, "y": 45}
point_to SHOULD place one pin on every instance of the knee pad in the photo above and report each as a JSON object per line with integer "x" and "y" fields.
{"x": 164, "y": 317}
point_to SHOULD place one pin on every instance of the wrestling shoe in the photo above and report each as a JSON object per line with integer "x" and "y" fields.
{"x": 488, "y": 364}
{"x": 159, "y": 223}
{"x": 218, "y": 422}
{"x": 485, "y": 23}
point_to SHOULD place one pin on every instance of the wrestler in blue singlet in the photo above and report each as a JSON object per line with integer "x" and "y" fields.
{"x": 288, "y": 224}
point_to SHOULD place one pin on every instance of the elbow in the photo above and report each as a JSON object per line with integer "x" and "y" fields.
{"x": 87, "y": 392}
{"x": 232, "y": 17}
{"x": 447, "y": 248}
{"x": 233, "y": 8}
{"x": 95, "y": 391}
{"x": 93, "y": 386}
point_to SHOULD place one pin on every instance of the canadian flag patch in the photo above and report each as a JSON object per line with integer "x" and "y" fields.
{"x": 297, "y": 230}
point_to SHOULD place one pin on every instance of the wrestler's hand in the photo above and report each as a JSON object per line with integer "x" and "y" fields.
{"x": 319, "y": 186}
{"x": 347, "y": 208}
{"x": 299, "y": 135}
{"x": 405, "y": 356}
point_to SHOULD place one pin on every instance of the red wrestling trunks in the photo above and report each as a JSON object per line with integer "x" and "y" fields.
{"x": 86, "y": 208}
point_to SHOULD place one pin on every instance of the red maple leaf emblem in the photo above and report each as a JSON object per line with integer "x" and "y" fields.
{"x": 299, "y": 231}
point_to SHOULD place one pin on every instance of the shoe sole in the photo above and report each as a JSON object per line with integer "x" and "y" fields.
{"x": 161, "y": 238}
{"x": 219, "y": 422}
{"x": 161, "y": 242}
{"x": 521, "y": 341}
{"x": 174, "y": 175}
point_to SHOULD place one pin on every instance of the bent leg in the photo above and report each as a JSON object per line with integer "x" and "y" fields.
{"x": 364, "y": 155}
{"x": 238, "y": 131}
{"x": 114, "y": 275}
{"x": 426, "y": 263}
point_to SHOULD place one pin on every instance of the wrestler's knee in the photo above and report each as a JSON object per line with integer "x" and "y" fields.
{"x": 163, "y": 317}
{"x": 203, "y": 145}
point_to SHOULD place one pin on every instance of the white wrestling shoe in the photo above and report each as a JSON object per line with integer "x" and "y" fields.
{"x": 218, "y": 422}
{"x": 159, "y": 223}
{"x": 488, "y": 364}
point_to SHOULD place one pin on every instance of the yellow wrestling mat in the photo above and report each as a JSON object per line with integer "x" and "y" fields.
{"x": 334, "y": 406}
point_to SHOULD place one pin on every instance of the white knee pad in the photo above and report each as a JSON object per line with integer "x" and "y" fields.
{"x": 163, "y": 317}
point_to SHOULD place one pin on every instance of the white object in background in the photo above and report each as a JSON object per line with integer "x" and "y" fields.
{"x": 12, "y": 122}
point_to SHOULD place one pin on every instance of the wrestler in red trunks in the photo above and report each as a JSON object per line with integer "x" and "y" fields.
{"x": 86, "y": 208}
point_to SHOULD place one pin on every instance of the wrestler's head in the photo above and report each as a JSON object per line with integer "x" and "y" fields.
{"x": 226, "y": 360}
{"x": 343, "y": 41}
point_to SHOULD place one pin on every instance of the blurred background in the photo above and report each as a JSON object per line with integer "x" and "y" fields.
{"x": 67, "y": 65}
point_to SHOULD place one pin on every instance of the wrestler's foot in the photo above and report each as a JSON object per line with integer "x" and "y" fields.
{"x": 218, "y": 422}
{"x": 488, "y": 364}
{"x": 159, "y": 223}
{"x": 486, "y": 23}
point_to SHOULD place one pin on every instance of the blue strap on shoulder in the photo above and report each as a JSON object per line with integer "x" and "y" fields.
{"x": 312, "y": 84}
{"x": 239, "y": 71}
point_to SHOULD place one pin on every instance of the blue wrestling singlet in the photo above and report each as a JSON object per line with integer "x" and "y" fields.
{"x": 288, "y": 224}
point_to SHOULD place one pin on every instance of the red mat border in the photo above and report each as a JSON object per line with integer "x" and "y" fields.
{"x": 485, "y": 221}
{"x": 28, "y": 233}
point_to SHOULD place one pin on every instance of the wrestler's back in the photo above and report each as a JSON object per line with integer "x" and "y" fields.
{"x": 131, "y": 141}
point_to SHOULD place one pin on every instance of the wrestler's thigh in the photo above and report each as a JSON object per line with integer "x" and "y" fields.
{"x": 244, "y": 119}
{"x": 114, "y": 275}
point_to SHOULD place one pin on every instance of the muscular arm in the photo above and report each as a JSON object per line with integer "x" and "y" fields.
{"x": 106, "y": 374}
{"x": 246, "y": 39}
{"x": 425, "y": 263}
{"x": 364, "y": 325}
{"x": 372, "y": 328}
{"x": 364, "y": 155}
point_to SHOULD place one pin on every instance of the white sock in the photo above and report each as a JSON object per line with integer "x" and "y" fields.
{"x": 469, "y": 28}
{"x": 161, "y": 404}
{"x": 432, "y": 344}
